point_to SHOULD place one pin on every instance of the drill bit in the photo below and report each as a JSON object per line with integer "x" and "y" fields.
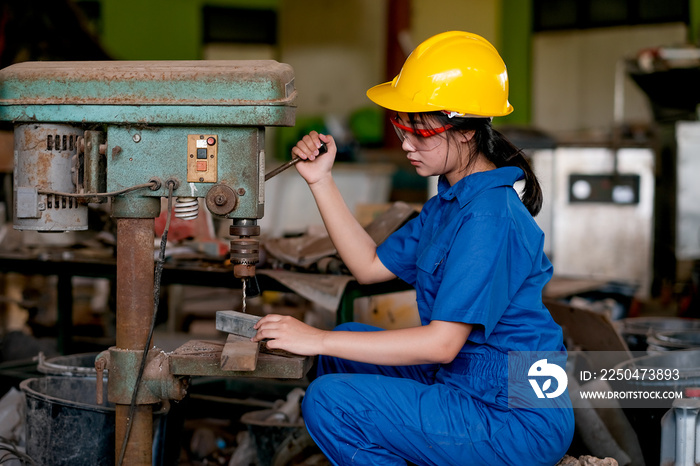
{"x": 243, "y": 287}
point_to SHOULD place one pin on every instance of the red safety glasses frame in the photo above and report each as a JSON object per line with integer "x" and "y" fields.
{"x": 424, "y": 133}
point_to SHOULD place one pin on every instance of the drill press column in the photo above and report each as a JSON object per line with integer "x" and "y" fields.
{"x": 135, "y": 275}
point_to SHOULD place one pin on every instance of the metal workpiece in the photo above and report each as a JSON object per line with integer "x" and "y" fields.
{"x": 46, "y": 161}
{"x": 208, "y": 92}
{"x": 237, "y": 323}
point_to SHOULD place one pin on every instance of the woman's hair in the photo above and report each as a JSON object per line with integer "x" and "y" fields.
{"x": 493, "y": 145}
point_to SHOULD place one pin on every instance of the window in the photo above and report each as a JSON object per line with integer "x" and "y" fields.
{"x": 585, "y": 14}
{"x": 240, "y": 25}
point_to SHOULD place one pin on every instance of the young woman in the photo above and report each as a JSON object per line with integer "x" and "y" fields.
{"x": 438, "y": 394}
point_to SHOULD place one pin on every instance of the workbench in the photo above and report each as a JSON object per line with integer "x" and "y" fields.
{"x": 68, "y": 263}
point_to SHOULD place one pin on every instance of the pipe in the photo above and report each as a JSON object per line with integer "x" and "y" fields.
{"x": 135, "y": 276}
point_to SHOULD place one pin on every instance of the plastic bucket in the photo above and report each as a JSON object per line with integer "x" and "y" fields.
{"x": 65, "y": 425}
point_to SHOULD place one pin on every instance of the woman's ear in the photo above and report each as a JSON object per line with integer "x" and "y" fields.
{"x": 466, "y": 136}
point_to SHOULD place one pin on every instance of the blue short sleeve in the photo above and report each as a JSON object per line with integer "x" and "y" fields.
{"x": 398, "y": 251}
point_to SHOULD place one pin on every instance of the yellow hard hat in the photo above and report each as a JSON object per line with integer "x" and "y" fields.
{"x": 454, "y": 71}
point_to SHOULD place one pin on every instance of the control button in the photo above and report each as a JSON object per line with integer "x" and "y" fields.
{"x": 211, "y": 141}
{"x": 201, "y": 154}
{"x": 201, "y": 165}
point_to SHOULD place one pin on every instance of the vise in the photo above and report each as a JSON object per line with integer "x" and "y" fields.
{"x": 135, "y": 132}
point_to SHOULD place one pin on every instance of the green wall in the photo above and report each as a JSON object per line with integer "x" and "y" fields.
{"x": 694, "y": 22}
{"x": 516, "y": 41}
{"x": 159, "y": 29}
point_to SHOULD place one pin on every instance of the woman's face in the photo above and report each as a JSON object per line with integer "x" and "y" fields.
{"x": 432, "y": 155}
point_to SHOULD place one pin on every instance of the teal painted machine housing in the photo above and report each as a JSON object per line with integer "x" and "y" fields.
{"x": 206, "y": 92}
{"x": 137, "y": 154}
{"x": 148, "y": 108}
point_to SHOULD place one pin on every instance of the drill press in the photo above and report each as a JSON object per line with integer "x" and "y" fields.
{"x": 135, "y": 132}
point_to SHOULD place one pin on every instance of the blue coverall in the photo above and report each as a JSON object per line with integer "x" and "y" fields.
{"x": 474, "y": 255}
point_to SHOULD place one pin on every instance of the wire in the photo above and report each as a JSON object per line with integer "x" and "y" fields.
{"x": 150, "y": 184}
{"x": 156, "y": 302}
{"x": 13, "y": 453}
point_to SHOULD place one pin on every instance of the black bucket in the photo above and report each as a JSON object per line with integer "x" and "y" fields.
{"x": 72, "y": 365}
{"x": 65, "y": 425}
{"x": 636, "y": 330}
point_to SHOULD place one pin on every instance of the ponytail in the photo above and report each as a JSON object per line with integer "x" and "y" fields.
{"x": 497, "y": 149}
{"x": 503, "y": 153}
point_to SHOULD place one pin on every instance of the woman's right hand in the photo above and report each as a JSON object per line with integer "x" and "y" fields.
{"x": 313, "y": 167}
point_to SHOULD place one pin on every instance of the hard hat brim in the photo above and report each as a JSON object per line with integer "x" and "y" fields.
{"x": 385, "y": 95}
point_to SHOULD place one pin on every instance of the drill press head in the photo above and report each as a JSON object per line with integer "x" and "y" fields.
{"x": 89, "y": 127}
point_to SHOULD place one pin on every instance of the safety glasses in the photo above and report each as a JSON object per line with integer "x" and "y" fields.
{"x": 419, "y": 138}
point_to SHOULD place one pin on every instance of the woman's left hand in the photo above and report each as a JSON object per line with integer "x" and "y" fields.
{"x": 289, "y": 334}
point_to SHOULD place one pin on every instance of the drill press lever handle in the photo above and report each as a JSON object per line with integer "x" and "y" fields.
{"x": 321, "y": 150}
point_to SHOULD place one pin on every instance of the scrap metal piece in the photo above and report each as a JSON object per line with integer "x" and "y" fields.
{"x": 239, "y": 354}
{"x": 307, "y": 250}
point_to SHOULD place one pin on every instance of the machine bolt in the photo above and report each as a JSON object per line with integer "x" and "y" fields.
{"x": 136, "y": 138}
{"x": 220, "y": 200}
{"x": 241, "y": 191}
{"x": 201, "y": 179}
{"x": 42, "y": 206}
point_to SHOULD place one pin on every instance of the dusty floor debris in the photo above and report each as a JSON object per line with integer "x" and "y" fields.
{"x": 586, "y": 461}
